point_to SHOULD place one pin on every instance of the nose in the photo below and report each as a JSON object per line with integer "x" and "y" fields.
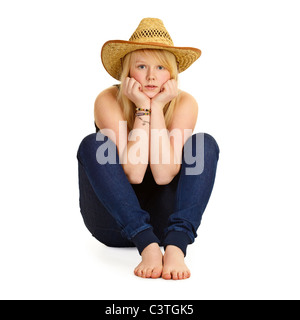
{"x": 150, "y": 74}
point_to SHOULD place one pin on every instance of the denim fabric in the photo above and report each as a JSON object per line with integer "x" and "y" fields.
{"x": 120, "y": 214}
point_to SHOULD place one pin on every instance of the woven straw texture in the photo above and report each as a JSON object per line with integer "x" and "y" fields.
{"x": 152, "y": 30}
{"x": 150, "y": 34}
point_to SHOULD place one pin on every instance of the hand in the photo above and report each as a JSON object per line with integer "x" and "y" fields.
{"x": 168, "y": 92}
{"x": 132, "y": 90}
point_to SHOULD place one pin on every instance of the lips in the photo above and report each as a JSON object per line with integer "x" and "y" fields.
{"x": 150, "y": 87}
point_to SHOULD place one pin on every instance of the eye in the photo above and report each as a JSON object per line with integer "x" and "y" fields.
{"x": 161, "y": 68}
{"x": 141, "y": 67}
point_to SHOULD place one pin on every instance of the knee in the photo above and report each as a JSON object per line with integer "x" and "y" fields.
{"x": 211, "y": 146}
{"x": 86, "y": 145}
{"x": 206, "y": 142}
{"x": 94, "y": 143}
{"x": 88, "y": 140}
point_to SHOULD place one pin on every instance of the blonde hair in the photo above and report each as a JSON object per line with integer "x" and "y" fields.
{"x": 164, "y": 58}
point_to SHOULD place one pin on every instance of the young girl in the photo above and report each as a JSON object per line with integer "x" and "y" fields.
{"x": 144, "y": 178}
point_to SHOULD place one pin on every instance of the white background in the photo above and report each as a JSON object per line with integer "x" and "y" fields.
{"x": 247, "y": 85}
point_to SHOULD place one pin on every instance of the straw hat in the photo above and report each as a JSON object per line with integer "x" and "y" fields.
{"x": 150, "y": 34}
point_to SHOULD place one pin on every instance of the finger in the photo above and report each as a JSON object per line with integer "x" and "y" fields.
{"x": 173, "y": 86}
{"x": 136, "y": 86}
{"x": 131, "y": 83}
{"x": 125, "y": 85}
{"x": 164, "y": 87}
{"x": 174, "y": 82}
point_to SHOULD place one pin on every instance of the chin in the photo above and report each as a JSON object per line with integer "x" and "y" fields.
{"x": 151, "y": 95}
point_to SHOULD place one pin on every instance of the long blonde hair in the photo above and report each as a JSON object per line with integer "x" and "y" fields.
{"x": 164, "y": 58}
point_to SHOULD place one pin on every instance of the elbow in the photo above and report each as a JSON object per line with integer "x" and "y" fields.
{"x": 164, "y": 178}
{"x": 135, "y": 178}
{"x": 162, "y": 181}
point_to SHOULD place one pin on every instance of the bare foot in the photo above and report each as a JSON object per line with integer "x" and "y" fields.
{"x": 151, "y": 265}
{"x": 174, "y": 266}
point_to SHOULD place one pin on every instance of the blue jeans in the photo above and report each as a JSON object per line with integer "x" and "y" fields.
{"x": 120, "y": 214}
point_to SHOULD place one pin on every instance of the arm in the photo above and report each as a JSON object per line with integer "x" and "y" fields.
{"x": 138, "y": 141}
{"x": 184, "y": 117}
{"x": 108, "y": 115}
{"x": 137, "y": 153}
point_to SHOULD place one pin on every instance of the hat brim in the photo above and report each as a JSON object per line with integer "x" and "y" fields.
{"x": 114, "y": 50}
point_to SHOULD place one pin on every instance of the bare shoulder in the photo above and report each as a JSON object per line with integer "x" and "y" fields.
{"x": 107, "y": 95}
{"x": 186, "y": 106}
{"x": 185, "y": 113}
{"x": 186, "y": 100}
{"x": 107, "y": 110}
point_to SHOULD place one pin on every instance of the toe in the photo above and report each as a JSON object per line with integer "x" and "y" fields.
{"x": 174, "y": 275}
{"x": 167, "y": 276}
{"x": 140, "y": 273}
{"x": 148, "y": 273}
{"x": 144, "y": 273}
{"x": 156, "y": 273}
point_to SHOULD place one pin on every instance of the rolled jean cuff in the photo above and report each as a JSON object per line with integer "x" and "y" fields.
{"x": 144, "y": 238}
{"x": 178, "y": 239}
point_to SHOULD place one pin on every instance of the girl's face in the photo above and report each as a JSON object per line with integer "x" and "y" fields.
{"x": 149, "y": 73}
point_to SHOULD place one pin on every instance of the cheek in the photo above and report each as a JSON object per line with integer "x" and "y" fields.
{"x": 165, "y": 77}
{"x": 135, "y": 75}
